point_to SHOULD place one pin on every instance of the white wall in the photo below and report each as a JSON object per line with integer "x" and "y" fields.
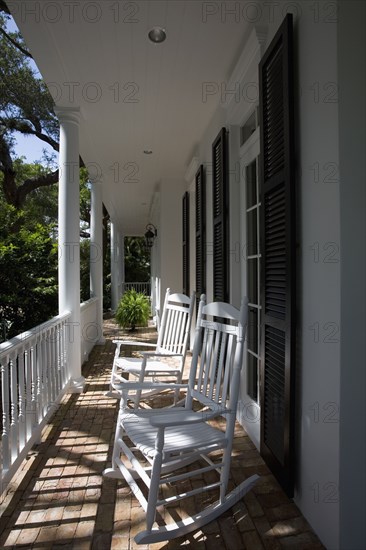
{"x": 170, "y": 236}
{"x": 352, "y": 118}
{"x": 318, "y": 372}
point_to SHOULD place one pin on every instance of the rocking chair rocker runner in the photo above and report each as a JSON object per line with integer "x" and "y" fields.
{"x": 172, "y": 343}
{"x": 163, "y": 442}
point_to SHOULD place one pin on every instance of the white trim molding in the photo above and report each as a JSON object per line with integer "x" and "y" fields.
{"x": 242, "y": 88}
{"x": 192, "y": 169}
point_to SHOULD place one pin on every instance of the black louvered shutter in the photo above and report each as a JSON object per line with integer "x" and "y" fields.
{"x": 200, "y": 234}
{"x": 278, "y": 246}
{"x": 185, "y": 233}
{"x": 220, "y": 208}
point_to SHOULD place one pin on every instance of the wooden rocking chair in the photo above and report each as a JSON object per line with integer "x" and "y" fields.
{"x": 153, "y": 446}
{"x": 173, "y": 340}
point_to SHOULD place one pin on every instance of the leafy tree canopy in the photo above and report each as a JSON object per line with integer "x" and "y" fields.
{"x": 26, "y": 106}
{"x": 137, "y": 260}
{"x": 29, "y": 253}
{"x": 28, "y": 268}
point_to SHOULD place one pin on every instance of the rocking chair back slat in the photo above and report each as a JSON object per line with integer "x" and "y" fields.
{"x": 174, "y": 324}
{"x": 230, "y": 355}
{"x": 217, "y": 356}
{"x": 216, "y": 367}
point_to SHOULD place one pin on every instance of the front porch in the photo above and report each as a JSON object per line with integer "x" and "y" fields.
{"x": 59, "y": 499}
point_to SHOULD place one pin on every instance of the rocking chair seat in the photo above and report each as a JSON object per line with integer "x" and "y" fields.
{"x": 177, "y": 439}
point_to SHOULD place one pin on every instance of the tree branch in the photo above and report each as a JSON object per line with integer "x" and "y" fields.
{"x": 15, "y": 43}
{"x": 24, "y": 128}
{"x": 4, "y": 8}
{"x": 7, "y": 167}
{"x": 31, "y": 184}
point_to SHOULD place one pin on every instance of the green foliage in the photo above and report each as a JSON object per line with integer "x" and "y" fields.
{"x": 137, "y": 260}
{"x": 28, "y": 268}
{"x": 133, "y": 310}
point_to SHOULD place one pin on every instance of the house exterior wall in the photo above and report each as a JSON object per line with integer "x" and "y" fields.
{"x": 319, "y": 267}
{"x": 318, "y": 368}
{"x": 352, "y": 146}
{"x": 170, "y": 237}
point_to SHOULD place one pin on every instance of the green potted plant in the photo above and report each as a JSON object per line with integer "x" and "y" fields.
{"x": 133, "y": 310}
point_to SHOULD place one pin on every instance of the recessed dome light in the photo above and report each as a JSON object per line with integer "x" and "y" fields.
{"x": 148, "y": 151}
{"x": 157, "y": 35}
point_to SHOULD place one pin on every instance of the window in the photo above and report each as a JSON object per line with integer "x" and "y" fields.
{"x": 249, "y": 127}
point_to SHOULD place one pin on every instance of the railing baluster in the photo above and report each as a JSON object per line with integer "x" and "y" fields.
{"x": 21, "y": 399}
{"x": 57, "y": 361}
{"x": 48, "y": 372}
{"x": 39, "y": 394}
{"x": 51, "y": 365}
{"x": 145, "y": 288}
{"x": 13, "y": 409}
{"x": 29, "y": 411}
{"x": 33, "y": 387}
{"x": 5, "y": 442}
{"x": 44, "y": 380}
{"x": 64, "y": 376}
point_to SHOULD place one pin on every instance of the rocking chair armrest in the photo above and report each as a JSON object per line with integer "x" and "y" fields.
{"x": 184, "y": 418}
{"x": 133, "y": 343}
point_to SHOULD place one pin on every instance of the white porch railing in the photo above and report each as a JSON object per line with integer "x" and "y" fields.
{"x": 34, "y": 377}
{"x": 145, "y": 288}
{"x": 90, "y": 332}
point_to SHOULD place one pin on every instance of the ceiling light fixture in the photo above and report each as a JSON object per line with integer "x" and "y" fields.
{"x": 147, "y": 151}
{"x": 157, "y": 35}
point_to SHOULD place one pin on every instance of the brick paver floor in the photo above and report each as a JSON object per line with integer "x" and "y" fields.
{"x": 59, "y": 499}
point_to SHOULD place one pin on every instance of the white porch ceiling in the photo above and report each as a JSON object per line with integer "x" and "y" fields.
{"x": 134, "y": 95}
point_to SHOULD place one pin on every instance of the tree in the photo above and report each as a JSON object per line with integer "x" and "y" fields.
{"x": 137, "y": 260}
{"x": 26, "y": 106}
{"x": 28, "y": 253}
{"x": 28, "y": 271}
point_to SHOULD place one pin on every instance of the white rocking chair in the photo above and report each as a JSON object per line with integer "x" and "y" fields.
{"x": 173, "y": 340}
{"x": 158, "y": 443}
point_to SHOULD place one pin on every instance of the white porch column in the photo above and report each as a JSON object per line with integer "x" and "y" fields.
{"x": 69, "y": 236}
{"x": 117, "y": 264}
{"x": 96, "y": 254}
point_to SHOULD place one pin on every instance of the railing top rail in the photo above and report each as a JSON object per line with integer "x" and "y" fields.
{"x": 136, "y": 283}
{"x": 21, "y": 339}
{"x": 87, "y": 303}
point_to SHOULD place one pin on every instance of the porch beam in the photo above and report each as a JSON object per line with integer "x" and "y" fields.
{"x": 69, "y": 237}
